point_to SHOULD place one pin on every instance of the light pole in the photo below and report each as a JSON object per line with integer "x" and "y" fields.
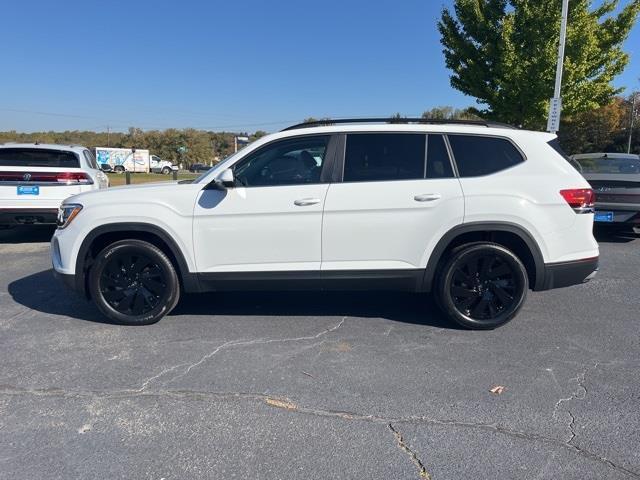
{"x": 553, "y": 124}
{"x": 632, "y": 122}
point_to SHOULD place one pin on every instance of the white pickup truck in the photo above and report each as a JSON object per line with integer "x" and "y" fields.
{"x": 122, "y": 160}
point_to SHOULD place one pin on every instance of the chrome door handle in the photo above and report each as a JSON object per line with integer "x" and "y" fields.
{"x": 305, "y": 202}
{"x": 427, "y": 197}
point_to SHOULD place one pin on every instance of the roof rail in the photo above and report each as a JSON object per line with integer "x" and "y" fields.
{"x": 428, "y": 121}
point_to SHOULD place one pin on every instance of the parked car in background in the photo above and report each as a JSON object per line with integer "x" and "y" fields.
{"x": 615, "y": 178}
{"x": 122, "y": 160}
{"x": 199, "y": 167}
{"x": 475, "y": 212}
{"x": 36, "y": 178}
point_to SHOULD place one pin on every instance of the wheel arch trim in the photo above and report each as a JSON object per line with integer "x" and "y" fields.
{"x": 476, "y": 227}
{"x": 187, "y": 278}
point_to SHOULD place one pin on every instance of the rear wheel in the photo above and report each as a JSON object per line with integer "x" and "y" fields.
{"x": 482, "y": 286}
{"x": 134, "y": 283}
{"x": 118, "y": 169}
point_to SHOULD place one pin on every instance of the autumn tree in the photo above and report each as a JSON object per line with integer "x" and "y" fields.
{"x": 504, "y": 52}
{"x": 604, "y": 129}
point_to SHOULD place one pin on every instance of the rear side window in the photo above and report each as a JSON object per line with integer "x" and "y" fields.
{"x": 371, "y": 157}
{"x": 438, "y": 163}
{"x": 37, "y": 157}
{"x": 476, "y": 155}
{"x": 91, "y": 160}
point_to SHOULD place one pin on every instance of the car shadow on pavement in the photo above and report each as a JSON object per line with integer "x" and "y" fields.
{"x": 611, "y": 235}
{"x": 43, "y": 293}
{"x": 27, "y": 234}
{"x": 397, "y": 306}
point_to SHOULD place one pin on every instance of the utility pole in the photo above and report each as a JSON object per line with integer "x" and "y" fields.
{"x": 632, "y": 122}
{"x": 555, "y": 107}
{"x": 108, "y": 136}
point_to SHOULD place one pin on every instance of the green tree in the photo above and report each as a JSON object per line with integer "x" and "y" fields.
{"x": 450, "y": 113}
{"x": 504, "y": 52}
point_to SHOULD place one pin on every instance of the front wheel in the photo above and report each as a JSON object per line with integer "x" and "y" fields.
{"x": 133, "y": 282}
{"x": 482, "y": 286}
{"x": 166, "y": 170}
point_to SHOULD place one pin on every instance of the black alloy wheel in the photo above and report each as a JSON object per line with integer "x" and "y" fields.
{"x": 482, "y": 286}
{"x": 134, "y": 283}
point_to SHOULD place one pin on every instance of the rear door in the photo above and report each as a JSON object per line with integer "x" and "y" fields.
{"x": 397, "y": 197}
{"x": 39, "y": 177}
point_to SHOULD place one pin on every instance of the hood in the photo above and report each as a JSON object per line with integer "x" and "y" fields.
{"x": 131, "y": 194}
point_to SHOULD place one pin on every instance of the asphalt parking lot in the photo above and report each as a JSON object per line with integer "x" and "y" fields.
{"x": 301, "y": 385}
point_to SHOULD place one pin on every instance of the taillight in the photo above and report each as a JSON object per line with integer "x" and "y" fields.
{"x": 582, "y": 200}
{"x": 44, "y": 178}
{"x": 73, "y": 178}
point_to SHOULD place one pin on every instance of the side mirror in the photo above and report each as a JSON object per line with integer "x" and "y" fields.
{"x": 226, "y": 179}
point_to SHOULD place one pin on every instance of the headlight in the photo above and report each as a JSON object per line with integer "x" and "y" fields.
{"x": 67, "y": 212}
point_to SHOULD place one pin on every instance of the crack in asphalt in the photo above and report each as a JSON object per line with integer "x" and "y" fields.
{"x": 286, "y": 404}
{"x": 578, "y": 394}
{"x": 422, "y": 471}
{"x": 230, "y": 344}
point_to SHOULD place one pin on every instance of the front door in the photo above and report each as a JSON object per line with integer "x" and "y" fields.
{"x": 271, "y": 221}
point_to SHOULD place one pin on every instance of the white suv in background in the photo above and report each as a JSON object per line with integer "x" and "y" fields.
{"x": 475, "y": 212}
{"x": 36, "y": 178}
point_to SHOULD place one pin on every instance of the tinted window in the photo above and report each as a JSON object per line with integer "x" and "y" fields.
{"x": 438, "y": 163}
{"x": 622, "y": 166}
{"x": 555, "y": 144}
{"x": 91, "y": 160}
{"x": 385, "y": 156}
{"x": 287, "y": 162}
{"x": 37, "y": 157}
{"x": 477, "y": 155}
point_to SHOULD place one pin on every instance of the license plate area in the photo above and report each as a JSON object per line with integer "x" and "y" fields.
{"x": 28, "y": 190}
{"x": 604, "y": 217}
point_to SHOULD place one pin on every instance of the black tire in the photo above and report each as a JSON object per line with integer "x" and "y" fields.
{"x": 133, "y": 282}
{"x": 481, "y": 286}
{"x": 118, "y": 169}
{"x": 166, "y": 171}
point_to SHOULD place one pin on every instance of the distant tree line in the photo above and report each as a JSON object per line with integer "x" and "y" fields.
{"x": 602, "y": 129}
{"x": 201, "y": 146}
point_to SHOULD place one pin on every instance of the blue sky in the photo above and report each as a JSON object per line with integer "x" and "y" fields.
{"x": 223, "y": 65}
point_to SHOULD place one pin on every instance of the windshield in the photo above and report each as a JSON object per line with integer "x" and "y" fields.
{"x": 617, "y": 166}
{"x": 37, "y": 157}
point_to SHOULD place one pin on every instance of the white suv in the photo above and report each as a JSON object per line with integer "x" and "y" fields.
{"x": 36, "y": 178}
{"x": 475, "y": 212}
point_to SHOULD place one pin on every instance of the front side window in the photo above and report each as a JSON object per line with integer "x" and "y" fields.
{"x": 476, "y": 155}
{"x": 286, "y": 162}
{"x": 371, "y": 157}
